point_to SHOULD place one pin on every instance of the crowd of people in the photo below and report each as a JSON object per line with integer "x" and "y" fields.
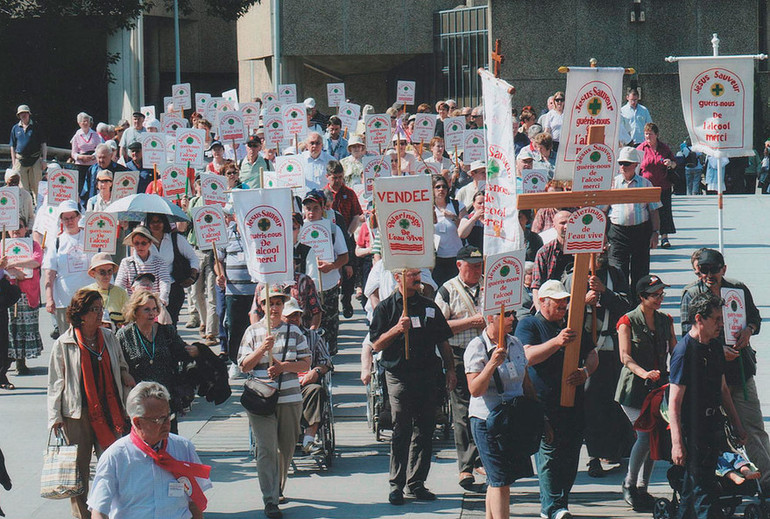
{"x": 116, "y": 387}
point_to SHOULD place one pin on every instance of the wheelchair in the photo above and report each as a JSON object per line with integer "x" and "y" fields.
{"x": 378, "y": 415}
{"x": 323, "y": 453}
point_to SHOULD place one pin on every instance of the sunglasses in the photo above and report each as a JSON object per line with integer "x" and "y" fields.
{"x": 231, "y": 173}
{"x": 103, "y": 272}
{"x": 713, "y": 269}
{"x": 625, "y": 163}
{"x": 107, "y": 180}
{"x": 510, "y": 314}
{"x": 558, "y": 100}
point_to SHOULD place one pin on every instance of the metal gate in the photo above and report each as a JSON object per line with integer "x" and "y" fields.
{"x": 461, "y": 48}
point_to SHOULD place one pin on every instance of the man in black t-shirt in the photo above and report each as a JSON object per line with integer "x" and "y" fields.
{"x": 698, "y": 389}
{"x": 412, "y": 387}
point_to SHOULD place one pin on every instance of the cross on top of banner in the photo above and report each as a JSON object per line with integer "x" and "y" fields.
{"x": 497, "y": 59}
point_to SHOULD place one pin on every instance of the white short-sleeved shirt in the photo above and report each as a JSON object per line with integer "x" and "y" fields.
{"x": 166, "y": 251}
{"x": 554, "y": 121}
{"x": 329, "y": 279}
{"x": 449, "y": 240}
{"x": 128, "y": 484}
{"x": 512, "y": 373}
{"x": 71, "y": 266}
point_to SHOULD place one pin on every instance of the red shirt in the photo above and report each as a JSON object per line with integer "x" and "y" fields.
{"x": 346, "y": 203}
{"x": 652, "y": 167}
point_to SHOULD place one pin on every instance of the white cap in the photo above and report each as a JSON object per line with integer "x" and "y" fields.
{"x": 10, "y": 173}
{"x": 477, "y": 164}
{"x": 309, "y": 103}
{"x": 553, "y": 289}
{"x": 629, "y": 154}
{"x": 290, "y": 307}
{"x": 152, "y": 123}
{"x": 68, "y": 206}
{"x": 525, "y": 153}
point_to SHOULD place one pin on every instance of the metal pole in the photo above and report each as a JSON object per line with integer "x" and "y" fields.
{"x": 176, "y": 43}
{"x": 277, "y": 65}
{"x": 720, "y": 215}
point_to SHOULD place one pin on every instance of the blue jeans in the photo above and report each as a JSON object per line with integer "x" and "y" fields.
{"x": 557, "y": 462}
{"x": 693, "y": 177}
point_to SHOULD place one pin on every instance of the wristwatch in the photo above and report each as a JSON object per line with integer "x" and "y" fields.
{"x": 318, "y": 370}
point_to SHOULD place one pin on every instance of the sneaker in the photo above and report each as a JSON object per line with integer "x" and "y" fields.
{"x": 272, "y": 511}
{"x": 562, "y": 514}
{"x": 307, "y": 444}
{"x": 193, "y": 323}
{"x": 629, "y": 494}
{"x": 423, "y": 494}
{"x": 396, "y": 497}
{"x": 643, "y": 501}
{"x": 595, "y": 469}
{"x": 55, "y": 333}
{"x": 234, "y": 371}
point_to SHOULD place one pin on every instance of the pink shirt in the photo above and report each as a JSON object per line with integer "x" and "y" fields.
{"x": 84, "y": 143}
{"x": 31, "y": 286}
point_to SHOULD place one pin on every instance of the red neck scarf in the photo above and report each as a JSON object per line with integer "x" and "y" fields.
{"x": 101, "y": 393}
{"x": 179, "y": 469}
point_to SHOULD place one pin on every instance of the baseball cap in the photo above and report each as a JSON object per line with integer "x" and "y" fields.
{"x": 274, "y": 292}
{"x": 711, "y": 257}
{"x": 470, "y": 254}
{"x": 214, "y": 144}
{"x": 135, "y": 146}
{"x": 104, "y": 174}
{"x": 649, "y": 284}
{"x": 525, "y": 154}
{"x": 291, "y": 307}
{"x": 138, "y": 114}
{"x": 553, "y": 289}
{"x": 309, "y": 103}
{"x": 315, "y": 195}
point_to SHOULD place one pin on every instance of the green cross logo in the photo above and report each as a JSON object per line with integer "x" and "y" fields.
{"x": 377, "y": 168}
{"x": 587, "y": 219}
{"x": 125, "y": 183}
{"x": 505, "y": 271}
{"x": 406, "y": 88}
{"x": 154, "y": 144}
{"x": 595, "y": 106}
{"x": 454, "y": 127}
{"x": 208, "y": 218}
{"x": 248, "y": 110}
{"x": 336, "y": 90}
{"x": 231, "y": 121}
{"x": 595, "y": 156}
{"x": 377, "y": 124}
{"x": 100, "y": 224}
{"x": 425, "y": 122}
{"x": 475, "y": 140}
{"x": 263, "y": 224}
{"x": 348, "y": 112}
{"x": 3, "y": 201}
{"x": 17, "y": 250}
{"x": 62, "y": 180}
{"x": 493, "y": 168}
{"x": 174, "y": 174}
{"x": 275, "y": 125}
{"x": 213, "y": 186}
{"x": 189, "y": 140}
{"x": 734, "y": 305}
{"x": 314, "y": 234}
{"x": 404, "y": 223}
{"x": 287, "y": 92}
{"x": 181, "y": 92}
{"x": 289, "y": 168}
{"x": 294, "y": 114}
{"x": 535, "y": 181}
{"x": 717, "y": 89}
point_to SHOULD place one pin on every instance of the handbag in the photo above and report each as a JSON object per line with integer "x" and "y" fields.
{"x": 60, "y": 478}
{"x": 9, "y": 293}
{"x": 180, "y": 267}
{"x": 517, "y": 424}
{"x": 260, "y": 398}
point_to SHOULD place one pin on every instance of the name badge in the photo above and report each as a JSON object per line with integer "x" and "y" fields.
{"x": 240, "y": 256}
{"x": 430, "y": 313}
{"x": 416, "y": 322}
{"x": 175, "y": 489}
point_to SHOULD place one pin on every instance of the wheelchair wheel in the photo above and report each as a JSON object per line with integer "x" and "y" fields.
{"x": 663, "y": 509}
{"x": 765, "y": 508}
{"x": 370, "y": 406}
{"x": 328, "y": 436}
{"x": 752, "y": 511}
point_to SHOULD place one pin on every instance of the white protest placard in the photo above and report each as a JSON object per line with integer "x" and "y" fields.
{"x": 153, "y": 148}
{"x": 274, "y": 134}
{"x": 424, "y": 127}
{"x": 454, "y": 127}
{"x": 189, "y": 147}
{"x": 503, "y": 281}
{"x": 335, "y": 93}
{"x": 363, "y": 201}
{"x": 534, "y": 180}
{"x": 202, "y": 102}
{"x": 213, "y": 189}
{"x": 19, "y": 249}
{"x": 264, "y": 218}
{"x": 231, "y": 127}
{"x": 182, "y": 96}
{"x": 212, "y": 112}
{"x": 318, "y": 236}
{"x": 593, "y": 97}
{"x": 47, "y": 220}
{"x": 171, "y": 123}
{"x": 210, "y": 227}
{"x": 733, "y": 313}
{"x": 9, "y": 208}
{"x": 101, "y": 232}
{"x": 349, "y": 113}
{"x": 273, "y": 108}
{"x": 148, "y": 112}
{"x": 62, "y": 185}
{"x": 289, "y": 172}
{"x": 171, "y": 148}
{"x": 474, "y": 146}
{"x": 594, "y": 168}
{"x": 585, "y": 231}
{"x": 405, "y": 92}
{"x": 232, "y": 96}
{"x": 269, "y": 97}
{"x": 124, "y": 183}
{"x": 377, "y": 130}
{"x": 294, "y": 120}
{"x": 250, "y": 114}
{"x": 287, "y": 94}
{"x": 174, "y": 180}
{"x": 168, "y": 105}
{"x": 404, "y": 207}
{"x": 374, "y": 166}
{"x": 718, "y": 104}
{"x": 42, "y": 191}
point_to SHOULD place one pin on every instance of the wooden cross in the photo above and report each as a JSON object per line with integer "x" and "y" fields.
{"x": 582, "y": 260}
{"x": 497, "y": 59}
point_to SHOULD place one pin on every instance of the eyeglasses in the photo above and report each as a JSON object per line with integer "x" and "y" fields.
{"x": 714, "y": 269}
{"x": 229, "y": 173}
{"x": 103, "y": 272}
{"x": 160, "y": 420}
{"x": 106, "y": 180}
{"x": 253, "y": 145}
{"x": 558, "y": 100}
{"x": 624, "y": 164}
{"x": 475, "y": 116}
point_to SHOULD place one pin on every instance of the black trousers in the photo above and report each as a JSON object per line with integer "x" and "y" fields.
{"x": 176, "y": 299}
{"x": 413, "y": 407}
{"x": 459, "y": 398}
{"x": 5, "y": 362}
{"x": 630, "y": 250}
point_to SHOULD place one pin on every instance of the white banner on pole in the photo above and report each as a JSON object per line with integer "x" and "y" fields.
{"x": 404, "y": 207}
{"x": 718, "y": 104}
{"x": 502, "y": 231}
{"x": 593, "y": 97}
{"x": 264, "y": 218}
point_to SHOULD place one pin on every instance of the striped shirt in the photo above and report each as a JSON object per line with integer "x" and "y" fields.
{"x": 631, "y": 214}
{"x": 132, "y": 266}
{"x": 297, "y": 349}
{"x": 239, "y": 281}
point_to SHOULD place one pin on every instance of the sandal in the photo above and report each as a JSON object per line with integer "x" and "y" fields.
{"x": 665, "y": 244}
{"x": 8, "y": 386}
{"x": 466, "y": 480}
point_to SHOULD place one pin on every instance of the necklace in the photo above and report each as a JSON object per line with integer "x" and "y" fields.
{"x": 142, "y": 342}
{"x": 97, "y": 354}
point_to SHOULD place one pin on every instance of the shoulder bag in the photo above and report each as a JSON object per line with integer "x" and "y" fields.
{"x": 180, "y": 267}
{"x": 260, "y": 398}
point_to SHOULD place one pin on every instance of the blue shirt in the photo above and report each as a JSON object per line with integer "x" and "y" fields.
{"x": 145, "y": 176}
{"x": 89, "y": 184}
{"x": 29, "y": 141}
{"x": 339, "y": 151}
